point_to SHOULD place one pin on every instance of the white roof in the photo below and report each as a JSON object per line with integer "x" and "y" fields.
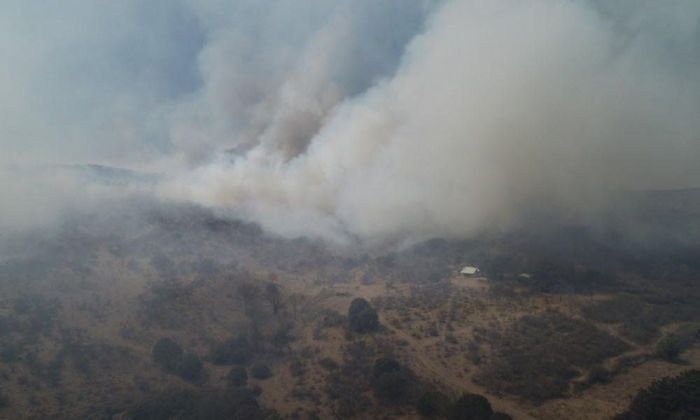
{"x": 469, "y": 270}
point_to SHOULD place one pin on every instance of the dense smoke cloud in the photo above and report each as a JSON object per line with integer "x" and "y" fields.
{"x": 376, "y": 121}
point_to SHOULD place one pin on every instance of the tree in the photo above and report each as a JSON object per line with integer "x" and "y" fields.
{"x": 260, "y": 371}
{"x": 432, "y": 404}
{"x": 237, "y": 377}
{"x": 669, "y": 348}
{"x": 385, "y": 365}
{"x": 166, "y": 353}
{"x": 667, "y": 398}
{"x": 190, "y": 368}
{"x": 362, "y": 316}
{"x": 248, "y": 293}
{"x": 392, "y": 387}
{"x": 391, "y": 383}
{"x": 274, "y": 297}
{"x": 234, "y": 351}
{"x": 471, "y": 407}
{"x": 599, "y": 375}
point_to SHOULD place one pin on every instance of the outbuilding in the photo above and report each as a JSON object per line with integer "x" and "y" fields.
{"x": 470, "y": 271}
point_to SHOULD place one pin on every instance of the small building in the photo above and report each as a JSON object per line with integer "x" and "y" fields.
{"x": 470, "y": 271}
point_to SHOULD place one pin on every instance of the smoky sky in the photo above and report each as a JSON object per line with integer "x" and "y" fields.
{"x": 367, "y": 120}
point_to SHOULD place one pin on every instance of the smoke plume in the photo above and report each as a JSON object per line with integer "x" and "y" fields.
{"x": 375, "y": 122}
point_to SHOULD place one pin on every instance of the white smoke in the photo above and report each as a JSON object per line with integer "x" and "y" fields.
{"x": 496, "y": 104}
{"x": 354, "y": 120}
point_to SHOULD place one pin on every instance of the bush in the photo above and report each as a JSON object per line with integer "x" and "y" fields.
{"x": 235, "y": 351}
{"x": 237, "y": 377}
{"x": 392, "y": 387}
{"x": 471, "y": 407}
{"x": 191, "y": 405}
{"x": 329, "y": 364}
{"x": 668, "y": 398}
{"x": 432, "y": 404}
{"x": 385, "y": 365}
{"x": 166, "y": 353}
{"x": 362, "y": 316}
{"x": 599, "y": 375}
{"x": 260, "y": 371}
{"x": 669, "y": 348}
{"x": 296, "y": 368}
{"x": 518, "y": 368}
{"x": 190, "y": 368}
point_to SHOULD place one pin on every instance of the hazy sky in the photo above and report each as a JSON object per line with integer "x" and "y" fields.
{"x": 363, "y": 119}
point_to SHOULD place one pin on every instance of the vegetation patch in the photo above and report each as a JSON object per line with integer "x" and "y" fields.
{"x": 536, "y": 357}
{"x": 667, "y": 398}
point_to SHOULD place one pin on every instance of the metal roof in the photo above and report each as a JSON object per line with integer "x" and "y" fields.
{"x": 469, "y": 270}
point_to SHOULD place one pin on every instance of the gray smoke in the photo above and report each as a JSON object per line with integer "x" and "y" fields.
{"x": 375, "y": 121}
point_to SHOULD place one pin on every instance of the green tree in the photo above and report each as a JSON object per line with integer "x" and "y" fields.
{"x": 260, "y": 371}
{"x": 432, "y": 404}
{"x": 667, "y": 399}
{"x": 237, "y": 377}
{"x": 669, "y": 348}
{"x": 190, "y": 368}
{"x": 392, "y": 387}
{"x": 362, "y": 316}
{"x": 166, "y": 353}
{"x": 471, "y": 407}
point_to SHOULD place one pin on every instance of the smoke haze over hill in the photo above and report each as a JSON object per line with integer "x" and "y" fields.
{"x": 354, "y": 120}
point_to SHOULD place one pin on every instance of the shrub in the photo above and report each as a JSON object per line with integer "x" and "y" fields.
{"x": 517, "y": 366}
{"x": 190, "y": 368}
{"x": 392, "y": 387}
{"x": 362, "y": 316}
{"x": 669, "y": 348}
{"x": 296, "y": 368}
{"x": 328, "y": 364}
{"x": 237, "y": 377}
{"x": 260, "y": 371}
{"x": 598, "y": 375}
{"x": 432, "y": 404}
{"x": 234, "y": 351}
{"x": 668, "y": 398}
{"x": 190, "y": 404}
{"x": 166, "y": 353}
{"x": 385, "y": 365}
{"x": 471, "y": 407}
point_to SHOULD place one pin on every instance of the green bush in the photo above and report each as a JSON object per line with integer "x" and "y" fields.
{"x": 260, "y": 371}
{"x": 329, "y": 364}
{"x": 197, "y": 405}
{"x": 599, "y": 375}
{"x": 517, "y": 366}
{"x": 167, "y": 354}
{"x": 190, "y": 368}
{"x": 667, "y": 398}
{"x": 432, "y": 404}
{"x": 362, "y": 317}
{"x": 234, "y": 351}
{"x": 669, "y": 348}
{"x": 237, "y": 377}
{"x": 392, "y": 387}
{"x": 471, "y": 407}
{"x": 385, "y": 365}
